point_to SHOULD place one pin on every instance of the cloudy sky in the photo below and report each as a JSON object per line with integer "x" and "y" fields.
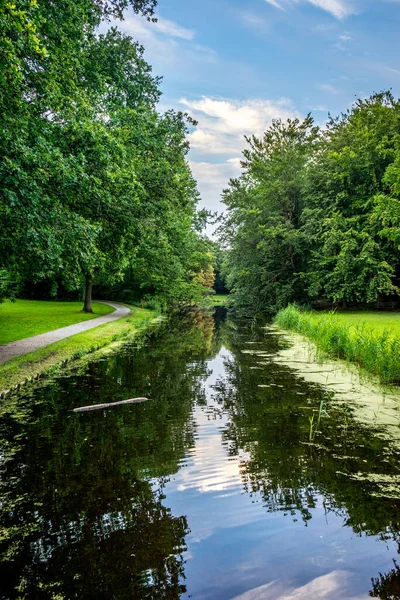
{"x": 235, "y": 65}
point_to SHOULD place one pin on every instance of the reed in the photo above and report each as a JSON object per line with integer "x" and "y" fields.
{"x": 378, "y": 352}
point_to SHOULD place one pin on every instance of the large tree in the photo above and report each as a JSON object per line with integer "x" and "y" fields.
{"x": 349, "y": 258}
{"x": 263, "y": 223}
{"x": 93, "y": 179}
{"x": 316, "y": 215}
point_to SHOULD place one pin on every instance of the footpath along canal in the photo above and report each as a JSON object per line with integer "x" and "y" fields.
{"x": 250, "y": 473}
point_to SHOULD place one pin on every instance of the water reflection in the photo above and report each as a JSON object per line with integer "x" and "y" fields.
{"x": 219, "y": 487}
{"x": 82, "y": 494}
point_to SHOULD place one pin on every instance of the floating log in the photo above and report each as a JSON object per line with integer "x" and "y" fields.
{"x": 109, "y": 405}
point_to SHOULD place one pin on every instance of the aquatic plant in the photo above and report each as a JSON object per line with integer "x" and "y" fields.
{"x": 315, "y": 425}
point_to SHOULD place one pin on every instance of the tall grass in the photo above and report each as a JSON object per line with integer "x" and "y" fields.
{"x": 376, "y": 352}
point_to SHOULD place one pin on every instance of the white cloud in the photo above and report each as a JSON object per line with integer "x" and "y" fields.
{"x": 223, "y": 123}
{"x": 212, "y": 178}
{"x": 342, "y": 44}
{"x": 390, "y": 69}
{"x": 275, "y": 3}
{"x": 209, "y": 143}
{"x": 254, "y": 21}
{"x": 238, "y": 117}
{"x": 337, "y": 8}
{"x": 327, "y": 87}
{"x": 323, "y": 27}
{"x": 330, "y": 586}
{"x": 163, "y": 47}
{"x": 166, "y": 43}
{"x": 172, "y": 29}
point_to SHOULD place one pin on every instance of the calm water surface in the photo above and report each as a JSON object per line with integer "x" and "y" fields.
{"x": 238, "y": 479}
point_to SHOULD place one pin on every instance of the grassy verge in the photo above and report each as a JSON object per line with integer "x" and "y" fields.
{"x": 220, "y": 299}
{"x": 24, "y": 318}
{"x": 46, "y": 360}
{"x": 369, "y": 340}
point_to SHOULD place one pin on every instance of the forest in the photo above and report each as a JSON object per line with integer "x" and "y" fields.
{"x": 315, "y": 215}
{"x": 95, "y": 188}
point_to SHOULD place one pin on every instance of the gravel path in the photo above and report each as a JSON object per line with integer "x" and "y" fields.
{"x": 20, "y": 347}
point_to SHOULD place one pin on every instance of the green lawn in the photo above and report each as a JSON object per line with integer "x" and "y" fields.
{"x": 24, "y": 318}
{"x": 378, "y": 321}
{"x": 47, "y": 359}
{"x": 220, "y": 299}
{"x": 370, "y": 339}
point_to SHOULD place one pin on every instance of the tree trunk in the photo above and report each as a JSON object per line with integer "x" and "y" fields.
{"x": 87, "y": 301}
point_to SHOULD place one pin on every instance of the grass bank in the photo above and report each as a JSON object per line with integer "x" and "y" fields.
{"x": 220, "y": 299}
{"x": 24, "y": 318}
{"x": 369, "y": 339}
{"x": 46, "y": 360}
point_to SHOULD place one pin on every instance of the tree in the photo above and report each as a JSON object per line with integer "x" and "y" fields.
{"x": 263, "y": 223}
{"x": 89, "y": 166}
{"x": 316, "y": 215}
{"x": 348, "y": 257}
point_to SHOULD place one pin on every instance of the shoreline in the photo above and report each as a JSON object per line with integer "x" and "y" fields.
{"x": 375, "y": 352}
{"x": 45, "y": 362}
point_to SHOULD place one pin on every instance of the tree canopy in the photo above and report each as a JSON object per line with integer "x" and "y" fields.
{"x": 93, "y": 179}
{"x": 315, "y": 213}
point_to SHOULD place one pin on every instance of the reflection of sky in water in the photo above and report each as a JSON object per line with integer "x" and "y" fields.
{"x": 272, "y": 511}
{"x": 236, "y": 549}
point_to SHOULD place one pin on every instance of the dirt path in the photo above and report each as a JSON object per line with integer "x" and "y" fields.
{"x": 20, "y": 347}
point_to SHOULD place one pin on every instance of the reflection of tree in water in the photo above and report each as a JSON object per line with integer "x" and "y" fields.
{"x": 132, "y": 552}
{"x": 387, "y": 586}
{"x": 82, "y": 511}
{"x": 269, "y": 408}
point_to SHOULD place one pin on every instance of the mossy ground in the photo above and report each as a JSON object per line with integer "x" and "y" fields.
{"x": 45, "y": 360}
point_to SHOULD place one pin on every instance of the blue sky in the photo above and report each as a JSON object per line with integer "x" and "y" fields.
{"x": 235, "y": 65}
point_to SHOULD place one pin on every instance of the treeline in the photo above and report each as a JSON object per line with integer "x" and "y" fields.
{"x": 94, "y": 182}
{"x": 315, "y": 214}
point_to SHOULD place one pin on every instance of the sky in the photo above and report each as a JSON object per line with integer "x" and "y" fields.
{"x": 236, "y": 65}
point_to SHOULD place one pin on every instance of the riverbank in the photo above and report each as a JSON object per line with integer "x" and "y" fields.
{"x": 368, "y": 341}
{"x": 220, "y": 299}
{"x": 23, "y": 369}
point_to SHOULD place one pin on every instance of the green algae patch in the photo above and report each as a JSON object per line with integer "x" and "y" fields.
{"x": 366, "y": 341}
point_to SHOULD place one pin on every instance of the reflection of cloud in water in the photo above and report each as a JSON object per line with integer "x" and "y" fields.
{"x": 209, "y": 470}
{"x": 327, "y": 587}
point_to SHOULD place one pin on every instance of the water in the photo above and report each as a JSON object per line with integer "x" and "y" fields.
{"x": 240, "y": 478}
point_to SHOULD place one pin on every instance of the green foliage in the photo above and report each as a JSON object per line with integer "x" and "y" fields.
{"x": 349, "y": 257}
{"x": 262, "y": 227}
{"x": 316, "y": 214}
{"x": 378, "y": 352}
{"x": 94, "y": 182}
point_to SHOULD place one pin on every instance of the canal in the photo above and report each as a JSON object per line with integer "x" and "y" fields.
{"x": 243, "y": 477}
